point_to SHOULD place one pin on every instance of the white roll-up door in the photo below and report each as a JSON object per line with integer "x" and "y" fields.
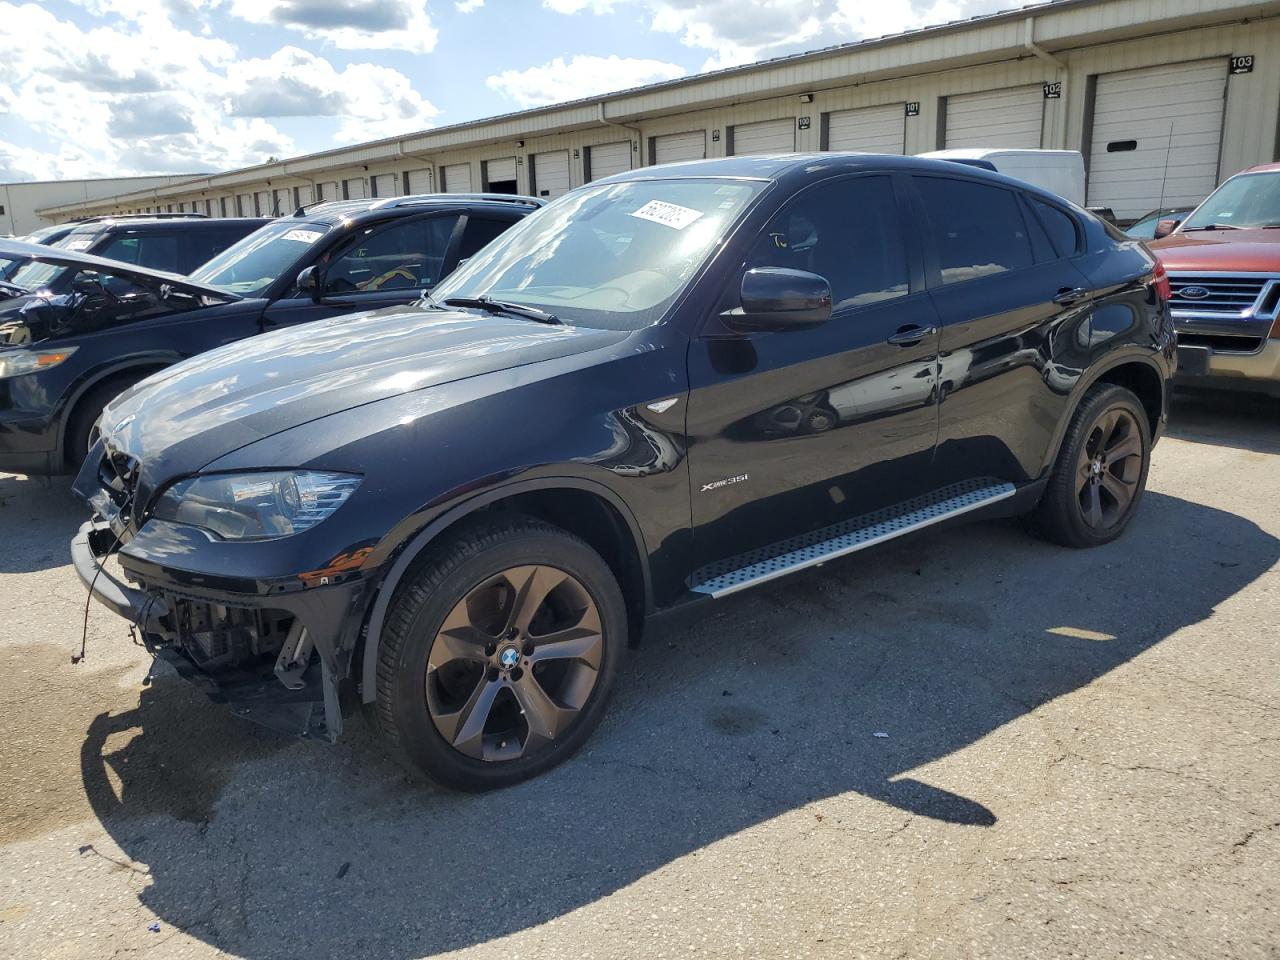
{"x": 457, "y": 177}
{"x": 419, "y": 181}
{"x": 306, "y": 195}
{"x": 1009, "y": 118}
{"x": 868, "y": 129}
{"x": 329, "y": 190}
{"x": 263, "y": 200}
{"x": 385, "y": 185}
{"x": 501, "y": 169}
{"x": 284, "y": 202}
{"x": 1156, "y": 136}
{"x": 675, "y": 147}
{"x": 606, "y": 159}
{"x": 768, "y": 136}
{"x": 551, "y": 173}
{"x": 354, "y": 188}
{"x": 244, "y": 205}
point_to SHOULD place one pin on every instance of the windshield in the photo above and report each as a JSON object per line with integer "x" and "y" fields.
{"x": 48, "y": 276}
{"x": 1250, "y": 200}
{"x": 613, "y": 256}
{"x": 254, "y": 263}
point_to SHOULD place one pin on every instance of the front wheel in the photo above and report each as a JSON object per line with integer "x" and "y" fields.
{"x": 499, "y": 654}
{"x": 1101, "y": 470}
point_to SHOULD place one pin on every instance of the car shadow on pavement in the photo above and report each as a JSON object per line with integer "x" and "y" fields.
{"x": 40, "y": 516}
{"x": 1245, "y": 421}
{"x": 831, "y": 686}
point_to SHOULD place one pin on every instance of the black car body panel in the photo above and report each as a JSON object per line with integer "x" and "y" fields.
{"x": 165, "y": 318}
{"x": 695, "y": 441}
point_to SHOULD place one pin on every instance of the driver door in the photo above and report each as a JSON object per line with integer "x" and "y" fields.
{"x": 380, "y": 266}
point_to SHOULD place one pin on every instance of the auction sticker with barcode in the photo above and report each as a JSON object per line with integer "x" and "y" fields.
{"x": 304, "y": 236}
{"x": 668, "y": 214}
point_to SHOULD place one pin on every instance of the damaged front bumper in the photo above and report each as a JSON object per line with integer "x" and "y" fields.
{"x": 274, "y": 656}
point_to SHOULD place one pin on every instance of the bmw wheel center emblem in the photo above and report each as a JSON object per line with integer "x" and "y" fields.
{"x": 509, "y": 657}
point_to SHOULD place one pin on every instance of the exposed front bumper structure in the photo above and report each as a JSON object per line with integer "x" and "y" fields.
{"x": 274, "y": 658}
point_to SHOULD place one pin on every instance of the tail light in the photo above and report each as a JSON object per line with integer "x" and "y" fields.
{"x": 1164, "y": 290}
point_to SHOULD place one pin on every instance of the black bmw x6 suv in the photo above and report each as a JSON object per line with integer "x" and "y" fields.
{"x": 663, "y": 388}
{"x": 84, "y": 328}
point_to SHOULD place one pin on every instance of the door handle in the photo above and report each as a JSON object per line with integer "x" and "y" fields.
{"x": 908, "y": 336}
{"x": 1069, "y": 295}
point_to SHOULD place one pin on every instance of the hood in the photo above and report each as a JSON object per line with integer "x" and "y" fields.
{"x": 1246, "y": 251}
{"x": 190, "y": 414}
{"x": 16, "y": 250}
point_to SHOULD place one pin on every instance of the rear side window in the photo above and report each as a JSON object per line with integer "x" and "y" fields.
{"x": 203, "y": 245}
{"x": 407, "y": 255}
{"x": 159, "y": 251}
{"x": 978, "y": 230}
{"x": 478, "y": 233}
{"x": 847, "y": 231}
{"x": 1061, "y": 227}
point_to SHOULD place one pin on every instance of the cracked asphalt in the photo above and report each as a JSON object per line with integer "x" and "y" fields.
{"x": 1082, "y": 759}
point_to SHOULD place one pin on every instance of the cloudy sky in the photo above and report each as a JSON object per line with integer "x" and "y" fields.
{"x": 117, "y": 87}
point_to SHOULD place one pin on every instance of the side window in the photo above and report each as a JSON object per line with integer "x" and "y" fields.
{"x": 1061, "y": 227}
{"x": 203, "y": 245}
{"x": 159, "y": 251}
{"x": 849, "y": 232}
{"x": 977, "y": 229}
{"x": 408, "y": 255}
{"x": 478, "y": 233}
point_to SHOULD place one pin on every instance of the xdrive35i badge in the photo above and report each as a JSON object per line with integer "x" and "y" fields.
{"x": 716, "y": 484}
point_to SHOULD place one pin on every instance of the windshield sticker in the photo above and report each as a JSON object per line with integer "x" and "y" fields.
{"x": 79, "y": 244}
{"x": 304, "y": 236}
{"x": 668, "y": 214}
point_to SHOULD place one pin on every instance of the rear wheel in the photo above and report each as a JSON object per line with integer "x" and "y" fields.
{"x": 1100, "y": 472}
{"x": 499, "y": 654}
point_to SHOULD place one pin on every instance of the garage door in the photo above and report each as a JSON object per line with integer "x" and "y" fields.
{"x": 502, "y": 170}
{"x": 1145, "y": 119}
{"x": 868, "y": 129}
{"x": 551, "y": 173}
{"x": 675, "y": 147}
{"x": 606, "y": 159}
{"x": 283, "y": 203}
{"x": 419, "y": 181}
{"x": 329, "y": 191}
{"x": 244, "y": 205}
{"x": 1008, "y": 118}
{"x": 305, "y": 195}
{"x": 384, "y": 185}
{"x": 457, "y": 177}
{"x": 769, "y": 136}
{"x": 262, "y": 204}
{"x": 354, "y": 188}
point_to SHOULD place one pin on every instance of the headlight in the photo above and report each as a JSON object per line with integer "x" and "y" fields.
{"x": 17, "y": 362}
{"x": 256, "y": 506}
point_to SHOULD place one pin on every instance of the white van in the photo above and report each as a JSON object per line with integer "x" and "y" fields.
{"x": 1059, "y": 171}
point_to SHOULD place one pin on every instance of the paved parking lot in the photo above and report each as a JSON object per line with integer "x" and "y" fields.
{"x": 1082, "y": 760}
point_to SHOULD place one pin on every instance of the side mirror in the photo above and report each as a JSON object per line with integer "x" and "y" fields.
{"x": 776, "y": 298}
{"x": 311, "y": 281}
{"x": 1166, "y": 227}
{"x": 87, "y": 283}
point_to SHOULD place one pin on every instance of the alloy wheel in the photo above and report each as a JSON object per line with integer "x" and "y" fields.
{"x": 514, "y": 663}
{"x": 1109, "y": 469}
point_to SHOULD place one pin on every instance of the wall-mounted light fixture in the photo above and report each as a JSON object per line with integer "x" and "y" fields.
{"x": 806, "y": 98}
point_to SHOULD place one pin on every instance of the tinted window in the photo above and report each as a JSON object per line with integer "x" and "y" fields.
{"x": 848, "y": 232}
{"x": 478, "y": 233}
{"x": 408, "y": 255}
{"x": 1062, "y": 229}
{"x": 204, "y": 245}
{"x": 159, "y": 251}
{"x": 978, "y": 230}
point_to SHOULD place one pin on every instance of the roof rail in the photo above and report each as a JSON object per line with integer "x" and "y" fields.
{"x": 462, "y": 197}
{"x": 139, "y": 216}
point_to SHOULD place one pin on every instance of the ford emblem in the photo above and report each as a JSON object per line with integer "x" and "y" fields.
{"x": 1193, "y": 293}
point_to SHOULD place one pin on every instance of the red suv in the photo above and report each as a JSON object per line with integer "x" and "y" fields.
{"x": 1224, "y": 266}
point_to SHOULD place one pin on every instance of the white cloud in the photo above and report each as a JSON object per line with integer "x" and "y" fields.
{"x": 145, "y": 96}
{"x": 577, "y": 6}
{"x": 369, "y": 100}
{"x": 469, "y": 6}
{"x": 347, "y": 24}
{"x": 582, "y": 76}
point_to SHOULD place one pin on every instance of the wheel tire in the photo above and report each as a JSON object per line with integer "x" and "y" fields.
{"x": 84, "y": 419}
{"x": 1066, "y": 513}
{"x": 445, "y": 579}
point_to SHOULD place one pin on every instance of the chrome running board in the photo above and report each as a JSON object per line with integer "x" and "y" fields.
{"x": 797, "y": 553}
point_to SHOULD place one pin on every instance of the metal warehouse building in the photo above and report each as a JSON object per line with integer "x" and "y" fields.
{"x": 1165, "y": 99}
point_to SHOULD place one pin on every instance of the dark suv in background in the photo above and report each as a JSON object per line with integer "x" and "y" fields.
{"x": 64, "y": 354}
{"x": 465, "y": 508}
